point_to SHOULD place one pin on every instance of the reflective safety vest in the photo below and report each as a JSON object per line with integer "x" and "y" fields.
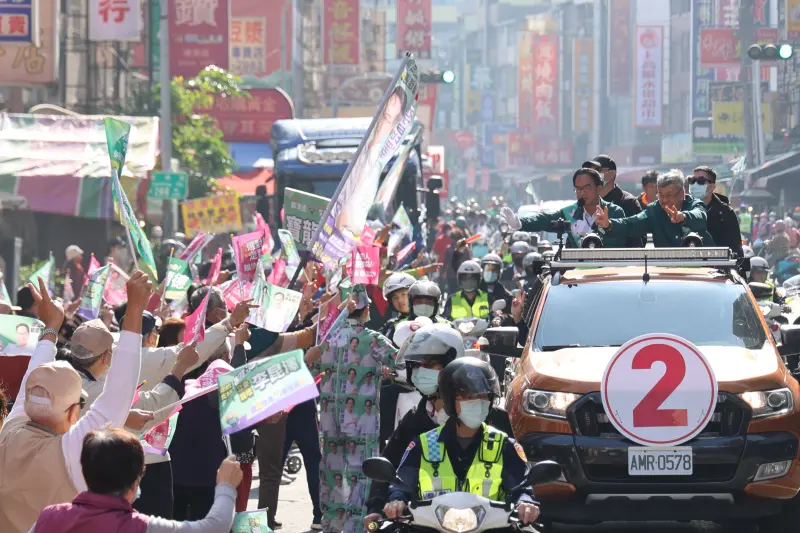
{"x": 460, "y": 308}
{"x": 484, "y": 477}
{"x": 745, "y": 222}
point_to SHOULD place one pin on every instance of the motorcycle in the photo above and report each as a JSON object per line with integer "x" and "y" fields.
{"x": 455, "y": 512}
{"x": 772, "y": 312}
{"x": 471, "y": 329}
{"x": 787, "y": 268}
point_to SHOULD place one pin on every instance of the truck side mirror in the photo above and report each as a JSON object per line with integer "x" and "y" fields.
{"x": 501, "y": 342}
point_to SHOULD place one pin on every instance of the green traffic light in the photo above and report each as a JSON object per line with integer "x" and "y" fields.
{"x": 785, "y": 51}
{"x": 448, "y": 76}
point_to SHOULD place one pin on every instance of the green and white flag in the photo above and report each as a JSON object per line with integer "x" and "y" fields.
{"x": 117, "y": 133}
{"x": 178, "y": 280}
{"x": 92, "y": 297}
{"x": 47, "y": 273}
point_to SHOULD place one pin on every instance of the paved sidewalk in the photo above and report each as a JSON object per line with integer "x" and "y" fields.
{"x": 294, "y": 507}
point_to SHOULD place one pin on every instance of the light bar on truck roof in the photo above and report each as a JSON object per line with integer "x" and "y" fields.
{"x": 669, "y": 257}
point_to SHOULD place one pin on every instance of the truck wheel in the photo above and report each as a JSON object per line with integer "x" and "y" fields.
{"x": 786, "y": 522}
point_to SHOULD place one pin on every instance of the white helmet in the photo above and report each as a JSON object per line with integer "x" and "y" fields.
{"x": 469, "y": 267}
{"x": 405, "y": 328}
{"x": 396, "y": 282}
{"x": 436, "y": 342}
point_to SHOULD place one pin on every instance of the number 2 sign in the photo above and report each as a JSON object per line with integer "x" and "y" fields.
{"x": 659, "y": 390}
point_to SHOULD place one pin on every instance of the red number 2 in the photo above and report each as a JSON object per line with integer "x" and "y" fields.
{"x": 649, "y": 413}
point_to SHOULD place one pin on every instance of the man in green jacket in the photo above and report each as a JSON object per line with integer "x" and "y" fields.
{"x": 675, "y": 215}
{"x": 581, "y": 215}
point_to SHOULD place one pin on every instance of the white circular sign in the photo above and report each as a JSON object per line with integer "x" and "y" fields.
{"x": 659, "y": 390}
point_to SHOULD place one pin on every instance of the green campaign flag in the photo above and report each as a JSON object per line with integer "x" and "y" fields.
{"x": 251, "y": 522}
{"x": 178, "y": 280}
{"x": 46, "y": 272}
{"x": 93, "y": 295}
{"x": 117, "y": 133}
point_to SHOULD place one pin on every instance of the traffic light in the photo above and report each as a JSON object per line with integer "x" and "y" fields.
{"x": 437, "y": 76}
{"x": 770, "y": 52}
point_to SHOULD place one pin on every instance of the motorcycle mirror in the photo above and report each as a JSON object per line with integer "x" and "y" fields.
{"x": 379, "y": 469}
{"x": 761, "y": 291}
{"x": 544, "y": 472}
{"x": 499, "y": 305}
{"x": 501, "y": 342}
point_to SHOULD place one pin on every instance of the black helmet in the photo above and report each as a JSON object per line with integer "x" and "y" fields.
{"x": 533, "y": 263}
{"x": 467, "y": 375}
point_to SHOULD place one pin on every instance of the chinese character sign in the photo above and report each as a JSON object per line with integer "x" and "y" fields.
{"x": 414, "y": 28}
{"x": 198, "y": 32}
{"x": 247, "y": 250}
{"x": 545, "y": 83}
{"x": 244, "y": 119}
{"x": 364, "y": 265}
{"x": 246, "y": 40}
{"x": 178, "y": 279}
{"x": 214, "y": 214}
{"x": 583, "y": 80}
{"x": 525, "y": 81}
{"x": 648, "y": 73}
{"x": 21, "y": 62}
{"x": 115, "y": 20}
{"x": 719, "y": 47}
{"x": 341, "y": 32}
{"x": 619, "y": 45}
{"x": 262, "y": 388}
{"x": 19, "y": 21}
{"x": 551, "y": 152}
{"x": 793, "y": 19}
{"x": 302, "y": 213}
{"x": 702, "y": 77}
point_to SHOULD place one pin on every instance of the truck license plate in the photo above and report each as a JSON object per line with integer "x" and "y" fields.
{"x": 666, "y": 461}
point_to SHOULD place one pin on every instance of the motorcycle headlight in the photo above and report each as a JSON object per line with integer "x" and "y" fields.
{"x": 466, "y": 327}
{"x": 769, "y": 403}
{"x": 460, "y": 520}
{"x": 548, "y": 404}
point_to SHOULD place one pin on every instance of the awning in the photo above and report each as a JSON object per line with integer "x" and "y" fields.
{"x": 774, "y": 168}
{"x": 248, "y": 156}
{"x": 245, "y": 183}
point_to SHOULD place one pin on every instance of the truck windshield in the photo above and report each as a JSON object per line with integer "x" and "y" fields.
{"x": 610, "y": 314}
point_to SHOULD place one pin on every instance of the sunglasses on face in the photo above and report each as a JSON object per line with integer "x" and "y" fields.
{"x": 700, "y": 180}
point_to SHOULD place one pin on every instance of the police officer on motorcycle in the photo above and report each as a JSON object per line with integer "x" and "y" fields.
{"x": 518, "y": 252}
{"x": 470, "y": 301}
{"x": 492, "y": 266}
{"x": 395, "y": 292}
{"x": 424, "y": 297}
{"x": 759, "y": 273}
{"x": 464, "y": 454}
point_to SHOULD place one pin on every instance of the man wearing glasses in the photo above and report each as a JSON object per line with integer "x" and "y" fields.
{"x": 723, "y": 224}
{"x": 581, "y": 215}
{"x": 670, "y": 220}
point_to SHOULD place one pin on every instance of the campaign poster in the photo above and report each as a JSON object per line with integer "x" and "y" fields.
{"x": 19, "y": 335}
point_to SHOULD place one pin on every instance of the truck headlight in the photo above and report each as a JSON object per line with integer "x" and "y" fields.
{"x": 547, "y": 403}
{"x": 460, "y": 520}
{"x": 769, "y": 403}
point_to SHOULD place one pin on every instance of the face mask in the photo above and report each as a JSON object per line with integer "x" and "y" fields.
{"x": 425, "y": 380}
{"x": 518, "y": 261}
{"x": 697, "y": 190}
{"x": 469, "y": 285}
{"x": 138, "y": 493}
{"x": 490, "y": 276}
{"x": 474, "y": 412}
{"x": 772, "y": 219}
{"x": 424, "y": 310}
{"x": 441, "y": 417}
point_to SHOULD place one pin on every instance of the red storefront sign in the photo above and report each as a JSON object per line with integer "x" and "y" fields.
{"x": 341, "y": 23}
{"x": 719, "y": 47}
{"x": 198, "y": 33}
{"x": 250, "y": 119}
{"x": 545, "y": 83}
{"x": 465, "y": 139}
{"x": 520, "y": 148}
{"x": 525, "y": 81}
{"x": 414, "y": 28}
{"x": 619, "y": 43}
{"x": 256, "y": 46}
{"x": 552, "y": 152}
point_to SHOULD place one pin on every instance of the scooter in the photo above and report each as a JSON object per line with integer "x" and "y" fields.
{"x": 786, "y": 268}
{"x": 455, "y": 512}
{"x": 471, "y": 330}
{"x": 772, "y": 312}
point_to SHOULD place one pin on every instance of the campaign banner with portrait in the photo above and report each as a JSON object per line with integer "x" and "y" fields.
{"x": 341, "y": 224}
{"x": 349, "y": 420}
{"x": 19, "y": 334}
{"x": 277, "y": 306}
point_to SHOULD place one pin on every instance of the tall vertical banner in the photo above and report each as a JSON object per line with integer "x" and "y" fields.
{"x": 260, "y": 36}
{"x": 792, "y": 19}
{"x": 619, "y": 48}
{"x": 414, "y": 28}
{"x": 525, "y": 81}
{"x": 341, "y": 224}
{"x": 701, "y": 76}
{"x": 198, "y": 33}
{"x": 583, "y": 80}
{"x": 648, "y": 74}
{"x": 246, "y": 41}
{"x": 545, "y": 84}
{"x": 115, "y": 20}
{"x": 341, "y": 32}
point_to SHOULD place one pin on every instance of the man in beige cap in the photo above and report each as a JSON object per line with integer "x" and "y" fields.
{"x": 41, "y": 440}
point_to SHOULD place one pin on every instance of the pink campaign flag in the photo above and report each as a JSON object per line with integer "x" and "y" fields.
{"x": 403, "y": 254}
{"x": 115, "y": 293}
{"x": 278, "y": 275}
{"x": 368, "y": 236}
{"x": 247, "y": 249}
{"x": 268, "y": 244}
{"x": 216, "y": 267}
{"x": 94, "y": 264}
{"x": 326, "y": 323}
{"x": 198, "y": 243}
{"x": 234, "y": 292}
{"x": 207, "y": 382}
{"x": 364, "y": 265}
{"x": 196, "y": 323}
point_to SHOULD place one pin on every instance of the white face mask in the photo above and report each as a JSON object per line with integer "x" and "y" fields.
{"x": 697, "y": 190}
{"x": 474, "y": 412}
{"x": 424, "y": 310}
{"x": 441, "y": 417}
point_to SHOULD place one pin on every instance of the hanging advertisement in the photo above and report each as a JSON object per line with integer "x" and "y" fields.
{"x": 525, "y": 81}
{"x": 115, "y": 20}
{"x": 545, "y": 83}
{"x": 583, "y": 84}
{"x": 341, "y": 23}
{"x": 23, "y": 63}
{"x": 414, "y": 28}
{"x": 648, "y": 74}
{"x": 701, "y": 76}
{"x": 243, "y": 119}
{"x": 792, "y": 19}
{"x": 198, "y": 33}
{"x": 719, "y": 48}
{"x": 19, "y": 21}
{"x": 619, "y": 48}
{"x": 261, "y": 42}
{"x": 246, "y": 45}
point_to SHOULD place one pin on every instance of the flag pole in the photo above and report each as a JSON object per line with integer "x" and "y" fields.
{"x": 166, "y": 275}
{"x": 118, "y": 183}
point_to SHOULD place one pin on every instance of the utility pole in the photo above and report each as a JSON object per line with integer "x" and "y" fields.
{"x": 170, "y": 207}
{"x": 597, "y": 34}
{"x": 746, "y": 30}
